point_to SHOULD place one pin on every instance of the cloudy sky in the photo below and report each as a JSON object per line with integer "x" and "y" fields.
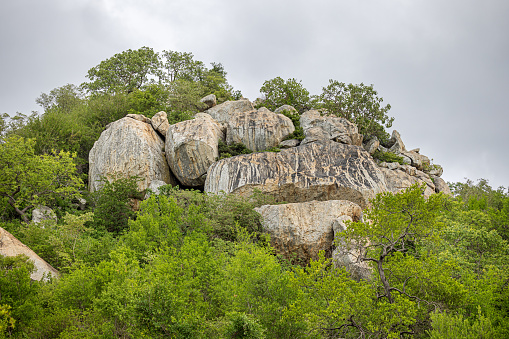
{"x": 443, "y": 65}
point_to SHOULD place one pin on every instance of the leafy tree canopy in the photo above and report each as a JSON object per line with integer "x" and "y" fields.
{"x": 359, "y": 104}
{"x": 28, "y": 180}
{"x": 278, "y": 92}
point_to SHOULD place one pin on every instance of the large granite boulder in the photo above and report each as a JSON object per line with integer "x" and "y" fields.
{"x": 127, "y": 148}
{"x": 398, "y": 179}
{"x": 258, "y": 130}
{"x": 10, "y": 247}
{"x": 301, "y": 230}
{"x": 317, "y": 171}
{"x": 223, "y": 112}
{"x": 192, "y": 146}
{"x": 317, "y": 126}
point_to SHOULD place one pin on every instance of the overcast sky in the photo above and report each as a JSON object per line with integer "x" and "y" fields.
{"x": 443, "y": 65}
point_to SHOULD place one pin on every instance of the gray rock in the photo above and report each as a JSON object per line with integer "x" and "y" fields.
{"x": 223, "y": 112}
{"x": 154, "y": 188}
{"x": 139, "y": 117}
{"x": 210, "y": 100}
{"x": 192, "y": 146}
{"x": 258, "y": 130}
{"x": 372, "y": 145}
{"x": 289, "y": 143}
{"x": 160, "y": 123}
{"x": 128, "y": 148}
{"x": 441, "y": 185}
{"x": 43, "y": 213}
{"x": 317, "y": 171}
{"x": 332, "y": 128}
{"x": 435, "y": 170}
{"x": 418, "y": 161}
{"x": 398, "y": 180}
{"x": 342, "y": 255}
{"x": 301, "y": 230}
{"x": 11, "y": 247}
{"x": 397, "y": 144}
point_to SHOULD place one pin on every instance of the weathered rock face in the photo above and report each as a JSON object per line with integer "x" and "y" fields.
{"x": 154, "y": 188}
{"x": 223, "y": 112}
{"x": 258, "y": 130}
{"x": 128, "y": 148}
{"x": 210, "y": 100}
{"x": 397, "y": 143}
{"x": 317, "y": 171}
{"x": 441, "y": 185}
{"x": 160, "y": 123}
{"x": 289, "y": 143}
{"x": 398, "y": 179}
{"x": 318, "y": 127}
{"x": 191, "y": 147}
{"x": 139, "y": 117}
{"x": 418, "y": 161}
{"x": 10, "y": 247}
{"x": 43, "y": 213}
{"x": 342, "y": 256}
{"x": 304, "y": 229}
{"x": 372, "y": 145}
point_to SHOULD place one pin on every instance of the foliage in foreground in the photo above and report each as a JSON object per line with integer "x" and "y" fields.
{"x": 192, "y": 265}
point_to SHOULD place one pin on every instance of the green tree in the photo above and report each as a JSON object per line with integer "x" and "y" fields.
{"x": 113, "y": 208}
{"x": 124, "y": 72}
{"x": 359, "y": 104}
{"x": 278, "y": 92}
{"x": 64, "y": 98}
{"x": 28, "y": 180}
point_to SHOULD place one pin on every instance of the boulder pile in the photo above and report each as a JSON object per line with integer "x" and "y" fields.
{"x": 326, "y": 179}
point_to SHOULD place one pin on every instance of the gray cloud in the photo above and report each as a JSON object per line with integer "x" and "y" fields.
{"x": 442, "y": 65}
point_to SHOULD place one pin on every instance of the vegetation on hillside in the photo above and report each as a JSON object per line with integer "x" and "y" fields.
{"x": 193, "y": 265}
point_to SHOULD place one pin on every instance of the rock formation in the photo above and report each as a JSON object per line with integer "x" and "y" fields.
{"x": 129, "y": 147}
{"x": 301, "y": 230}
{"x": 258, "y": 130}
{"x": 323, "y": 170}
{"x": 10, "y": 247}
{"x": 192, "y": 146}
{"x": 319, "y": 127}
{"x": 222, "y": 113}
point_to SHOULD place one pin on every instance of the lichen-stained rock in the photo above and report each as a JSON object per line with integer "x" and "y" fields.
{"x": 317, "y": 126}
{"x": 441, "y": 185}
{"x": 43, "y": 213}
{"x": 372, "y": 145}
{"x": 316, "y": 171}
{"x": 301, "y": 230}
{"x": 210, "y": 100}
{"x": 223, "y": 112}
{"x": 10, "y": 247}
{"x": 397, "y": 180}
{"x": 191, "y": 147}
{"x": 258, "y": 130}
{"x": 349, "y": 258}
{"x": 419, "y": 161}
{"x": 397, "y": 145}
{"x": 160, "y": 123}
{"x": 128, "y": 148}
